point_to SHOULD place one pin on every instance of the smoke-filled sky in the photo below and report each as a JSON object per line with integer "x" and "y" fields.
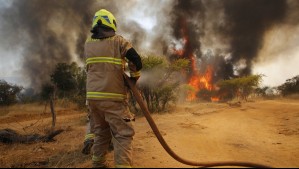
{"x": 237, "y": 37}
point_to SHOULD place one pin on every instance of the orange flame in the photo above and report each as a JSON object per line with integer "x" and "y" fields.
{"x": 197, "y": 81}
{"x": 215, "y": 99}
{"x": 178, "y": 52}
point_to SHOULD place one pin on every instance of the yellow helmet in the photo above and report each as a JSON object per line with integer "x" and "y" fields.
{"x": 106, "y": 18}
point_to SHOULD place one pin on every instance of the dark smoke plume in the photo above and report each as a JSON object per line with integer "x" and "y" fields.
{"x": 49, "y": 32}
{"x": 248, "y": 21}
{"x": 52, "y": 31}
{"x": 187, "y": 18}
{"x": 240, "y": 25}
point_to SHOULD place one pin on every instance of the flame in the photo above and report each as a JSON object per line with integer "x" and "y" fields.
{"x": 197, "y": 80}
{"x": 215, "y": 99}
{"x": 194, "y": 81}
{"x": 178, "y": 52}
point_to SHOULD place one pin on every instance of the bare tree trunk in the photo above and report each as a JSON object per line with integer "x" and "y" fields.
{"x": 45, "y": 107}
{"x": 53, "y": 113}
{"x": 52, "y": 104}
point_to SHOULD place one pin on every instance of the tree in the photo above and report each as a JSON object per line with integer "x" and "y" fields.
{"x": 80, "y": 76}
{"x": 70, "y": 80}
{"x": 160, "y": 81}
{"x": 291, "y": 86}
{"x": 47, "y": 91}
{"x": 64, "y": 78}
{"x": 8, "y": 93}
{"x": 262, "y": 91}
{"x": 48, "y": 95}
{"x": 239, "y": 87}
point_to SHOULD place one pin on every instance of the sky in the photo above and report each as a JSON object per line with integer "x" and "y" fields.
{"x": 277, "y": 59}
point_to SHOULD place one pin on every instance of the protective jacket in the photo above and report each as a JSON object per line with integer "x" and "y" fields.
{"x": 105, "y": 60}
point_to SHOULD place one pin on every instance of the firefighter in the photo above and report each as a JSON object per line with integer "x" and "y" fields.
{"x": 106, "y": 56}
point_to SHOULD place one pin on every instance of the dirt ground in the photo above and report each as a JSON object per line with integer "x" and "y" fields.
{"x": 264, "y": 131}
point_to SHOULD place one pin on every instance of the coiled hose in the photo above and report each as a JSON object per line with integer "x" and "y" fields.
{"x": 155, "y": 129}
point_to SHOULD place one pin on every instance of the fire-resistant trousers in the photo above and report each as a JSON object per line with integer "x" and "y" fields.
{"x": 112, "y": 121}
{"x": 89, "y": 127}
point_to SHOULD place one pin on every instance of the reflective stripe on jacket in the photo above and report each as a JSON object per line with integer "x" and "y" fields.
{"x": 105, "y": 61}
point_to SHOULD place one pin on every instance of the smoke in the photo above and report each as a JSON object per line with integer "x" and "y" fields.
{"x": 49, "y": 32}
{"x": 187, "y": 22}
{"x": 226, "y": 34}
{"x": 147, "y": 25}
{"x": 248, "y": 21}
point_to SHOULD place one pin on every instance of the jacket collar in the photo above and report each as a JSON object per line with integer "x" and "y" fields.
{"x": 102, "y": 33}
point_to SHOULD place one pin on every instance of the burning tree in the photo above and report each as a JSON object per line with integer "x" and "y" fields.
{"x": 200, "y": 74}
{"x": 222, "y": 27}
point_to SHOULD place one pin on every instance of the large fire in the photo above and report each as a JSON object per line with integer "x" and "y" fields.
{"x": 201, "y": 81}
{"x": 198, "y": 81}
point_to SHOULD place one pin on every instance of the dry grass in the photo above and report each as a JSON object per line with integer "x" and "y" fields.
{"x": 32, "y": 118}
{"x": 4, "y": 111}
{"x": 263, "y": 131}
{"x": 36, "y": 118}
{"x": 36, "y": 108}
{"x": 293, "y": 96}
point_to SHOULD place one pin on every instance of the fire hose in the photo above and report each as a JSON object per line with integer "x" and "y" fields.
{"x": 156, "y": 131}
